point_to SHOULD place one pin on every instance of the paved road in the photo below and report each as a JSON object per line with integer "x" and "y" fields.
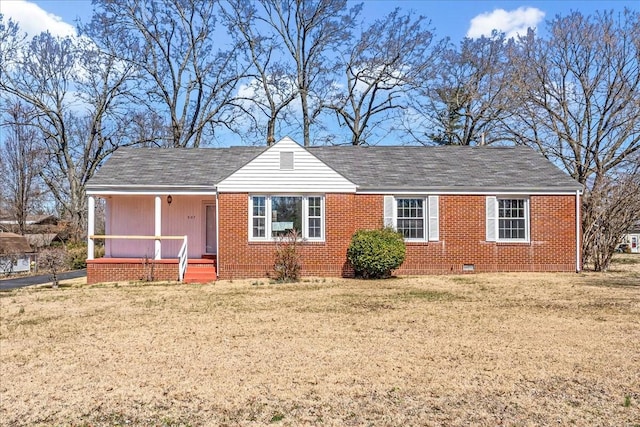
{"x": 21, "y": 282}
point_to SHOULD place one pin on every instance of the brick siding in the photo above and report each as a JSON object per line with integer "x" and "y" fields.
{"x": 462, "y": 241}
{"x": 123, "y": 269}
{"x": 462, "y": 238}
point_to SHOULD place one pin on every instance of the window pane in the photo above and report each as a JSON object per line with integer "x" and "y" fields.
{"x": 314, "y": 207}
{"x": 410, "y": 218}
{"x": 259, "y": 206}
{"x": 314, "y": 228}
{"x": 258, "y": 227}
{"x": 286, "y": 215}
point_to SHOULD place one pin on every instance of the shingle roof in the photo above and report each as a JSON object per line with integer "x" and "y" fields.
{"x": 11, "y": 243}
{"x": 446, "y": 168}
{"x": 397, "y": 168}
{"x": 185, "y": 167}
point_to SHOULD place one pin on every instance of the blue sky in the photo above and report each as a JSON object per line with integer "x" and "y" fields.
{"x": 454, "y": 19}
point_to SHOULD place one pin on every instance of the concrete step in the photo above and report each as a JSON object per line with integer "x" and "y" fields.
{"x": 200, "y": 274}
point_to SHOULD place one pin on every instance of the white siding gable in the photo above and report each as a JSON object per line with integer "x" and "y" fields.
{"x": 286, "y": 167}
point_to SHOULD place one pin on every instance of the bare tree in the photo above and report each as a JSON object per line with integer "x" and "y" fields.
{"x": 381, "y": 68}
{"x": 78, "y": 97}
{"x": 469, "y": 96}
{"x": 614, "y": 210}
{"x": 580, "y": 100}
{"x": 53, "y": 261}
{"x": 174, "y": 47}
{"x": 21, "y": 160}
{"x": 310, "y": 30}
{"x": 271, "y": 86}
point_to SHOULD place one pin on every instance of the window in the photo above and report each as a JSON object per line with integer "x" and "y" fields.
{"x": 315, "y": 217}
{"x": 415, "y": 217}
{"x": 410, "y": 218}
{"x": 507, "y": 219}
{"x": 286, "y": 215}
{"x": 511, "y": 219}
{"x": 274, "y": 216}
{"x": 259, "y": 216}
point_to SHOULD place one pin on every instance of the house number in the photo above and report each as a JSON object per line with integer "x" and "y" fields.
{"x": 191, "y": 217}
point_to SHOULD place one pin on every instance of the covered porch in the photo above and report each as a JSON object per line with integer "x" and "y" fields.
{"x": 169, "y": 235}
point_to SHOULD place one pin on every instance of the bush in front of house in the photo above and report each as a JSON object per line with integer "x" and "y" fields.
{"x": 374, "y": 254}
{"x": 287, "y": 264}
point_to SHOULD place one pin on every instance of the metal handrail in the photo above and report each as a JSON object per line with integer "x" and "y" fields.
{"x": 182, "y": 256}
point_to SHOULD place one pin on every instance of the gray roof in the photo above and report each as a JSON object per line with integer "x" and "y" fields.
{"x": 171, "y": 167}
{"x": 383, "y": 168}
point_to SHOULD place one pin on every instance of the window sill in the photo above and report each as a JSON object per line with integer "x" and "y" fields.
{"x": 527, "y": 243}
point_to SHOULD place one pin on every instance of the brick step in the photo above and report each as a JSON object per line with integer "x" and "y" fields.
{"x": 200, "y": 274}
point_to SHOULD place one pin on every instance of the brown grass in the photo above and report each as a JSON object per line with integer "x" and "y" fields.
{"x": 500, "y": 349}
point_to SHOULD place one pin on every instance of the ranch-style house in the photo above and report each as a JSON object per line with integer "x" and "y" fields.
{"x": 204, "y": 213}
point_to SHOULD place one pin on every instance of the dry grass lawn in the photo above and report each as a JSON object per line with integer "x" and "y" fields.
{"x": 499, "y": 349}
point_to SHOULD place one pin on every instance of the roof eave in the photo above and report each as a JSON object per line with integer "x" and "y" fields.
{"x": 150, "y": 189}
{"x": 470, "y": 190}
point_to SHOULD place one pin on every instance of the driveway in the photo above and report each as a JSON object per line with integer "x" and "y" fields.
{"x": 20, "y": 282}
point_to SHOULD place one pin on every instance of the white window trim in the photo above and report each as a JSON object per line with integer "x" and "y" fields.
{"x": 428, "y": 221}
{"x": 527, "y": 218}
{"x": 305, "y": 217}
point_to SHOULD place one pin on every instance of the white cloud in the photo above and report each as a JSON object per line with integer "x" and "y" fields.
{"x": 33, "y": 19}
{"x": 511, "y": 23}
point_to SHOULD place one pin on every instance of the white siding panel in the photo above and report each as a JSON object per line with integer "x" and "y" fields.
{"x": 131, "y": 216}
{"x": 134, "y": 215}
{"x": 264, "y": 175}
{"x": 185, "y": 216}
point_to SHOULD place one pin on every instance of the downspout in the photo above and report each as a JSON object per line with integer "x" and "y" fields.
{"x": 217, "y": 238}
{"x": 578, "y": 254}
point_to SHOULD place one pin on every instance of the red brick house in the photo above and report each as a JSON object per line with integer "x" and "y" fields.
{"x": 194, "y": 214}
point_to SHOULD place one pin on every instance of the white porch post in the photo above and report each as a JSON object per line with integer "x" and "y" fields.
{"x": 158, "y": 228}
{"x": 91, "y": 226}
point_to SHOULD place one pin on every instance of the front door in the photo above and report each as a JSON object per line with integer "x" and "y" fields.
{"x": 634, "y": 244}
{"x": 210, "y": 229}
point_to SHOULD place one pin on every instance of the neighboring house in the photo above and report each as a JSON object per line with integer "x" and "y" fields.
{"x": 459, "y": 208}
{"x": 15, "y": 254}
{"x": 632, "y": 238}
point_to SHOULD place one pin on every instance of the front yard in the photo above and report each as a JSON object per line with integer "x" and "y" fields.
{"x": 502, "y": 349}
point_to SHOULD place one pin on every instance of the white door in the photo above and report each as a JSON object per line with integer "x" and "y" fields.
{"x": 210, "y": 230}
{"x": 634, "y": 244}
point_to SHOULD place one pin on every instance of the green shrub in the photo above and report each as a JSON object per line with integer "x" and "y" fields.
{"x": 375, "y": 253}
{"x": 76, "y": 256}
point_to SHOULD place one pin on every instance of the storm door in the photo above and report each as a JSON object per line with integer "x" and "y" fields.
{"x": 210, "y": 229}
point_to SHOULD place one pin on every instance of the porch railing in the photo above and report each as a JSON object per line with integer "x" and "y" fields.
{"x": 182, "y": 254}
